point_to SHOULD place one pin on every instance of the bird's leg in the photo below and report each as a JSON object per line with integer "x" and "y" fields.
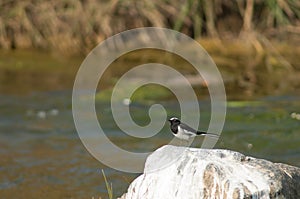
{"x": 184, "y": 143}
{"x": 180, "y": 142}
{"x": 187, "y": 143}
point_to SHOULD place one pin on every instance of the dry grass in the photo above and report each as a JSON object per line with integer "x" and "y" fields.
{"x": 75, "y": 26}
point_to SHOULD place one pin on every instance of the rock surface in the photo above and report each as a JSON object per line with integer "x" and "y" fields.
{"x": 178, "y": 172}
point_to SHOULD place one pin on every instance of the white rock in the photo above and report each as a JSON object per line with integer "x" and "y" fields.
{"x": 54, "y": 112}
{"x": 41, "y": 114}
{"x": 190, "y": 173}
{"x": 126, "y": 101}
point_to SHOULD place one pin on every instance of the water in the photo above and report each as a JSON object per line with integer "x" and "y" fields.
{"x": 42, "y": 156}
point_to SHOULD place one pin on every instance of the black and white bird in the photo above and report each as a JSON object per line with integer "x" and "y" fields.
{"x": 185, "y": 132}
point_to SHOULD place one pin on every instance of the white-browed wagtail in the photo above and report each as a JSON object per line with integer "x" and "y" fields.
{"x": 185, "y": 132}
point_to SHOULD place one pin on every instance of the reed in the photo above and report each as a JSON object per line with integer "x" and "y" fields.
{"x": 76, "y": 26}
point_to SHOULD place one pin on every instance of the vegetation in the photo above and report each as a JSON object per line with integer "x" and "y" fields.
{"x": 145, "y": 94}
{"x": 108, "y": 186}
{"x": 78, "y": 25}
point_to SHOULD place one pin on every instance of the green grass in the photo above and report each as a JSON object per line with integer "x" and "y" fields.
{"x": 108, "y": 186}
{"x": 144, "y": 94}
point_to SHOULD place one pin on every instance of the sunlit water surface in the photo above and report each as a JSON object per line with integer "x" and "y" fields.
{"x": 42, "y": 155}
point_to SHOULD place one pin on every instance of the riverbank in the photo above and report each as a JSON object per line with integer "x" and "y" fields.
{"x": 76, "y": 26}
{"x": 253, "y": 43}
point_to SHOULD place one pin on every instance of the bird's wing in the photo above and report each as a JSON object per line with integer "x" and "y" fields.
{"x": 208, "y": 134}
{"x": 188, "y": 128}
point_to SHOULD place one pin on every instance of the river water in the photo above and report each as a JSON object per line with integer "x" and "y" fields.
{"x": 43, "y": 157}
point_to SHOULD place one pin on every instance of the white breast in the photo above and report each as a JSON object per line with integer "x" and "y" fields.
{"x": 183, "y": 134}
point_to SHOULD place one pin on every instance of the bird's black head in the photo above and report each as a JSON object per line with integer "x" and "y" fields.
{"x": 174, "y": 121}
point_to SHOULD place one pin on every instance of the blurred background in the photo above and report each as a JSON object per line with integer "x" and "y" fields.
{"x": 254, "y": 43}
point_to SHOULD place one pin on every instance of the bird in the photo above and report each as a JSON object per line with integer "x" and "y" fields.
{"x": 185, "y": 132}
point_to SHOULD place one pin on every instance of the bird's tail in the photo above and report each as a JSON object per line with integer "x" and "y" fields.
{"x": 207, "y": 134}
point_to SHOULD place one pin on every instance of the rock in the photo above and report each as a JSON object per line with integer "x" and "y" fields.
{"x": 179, "y": 172}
